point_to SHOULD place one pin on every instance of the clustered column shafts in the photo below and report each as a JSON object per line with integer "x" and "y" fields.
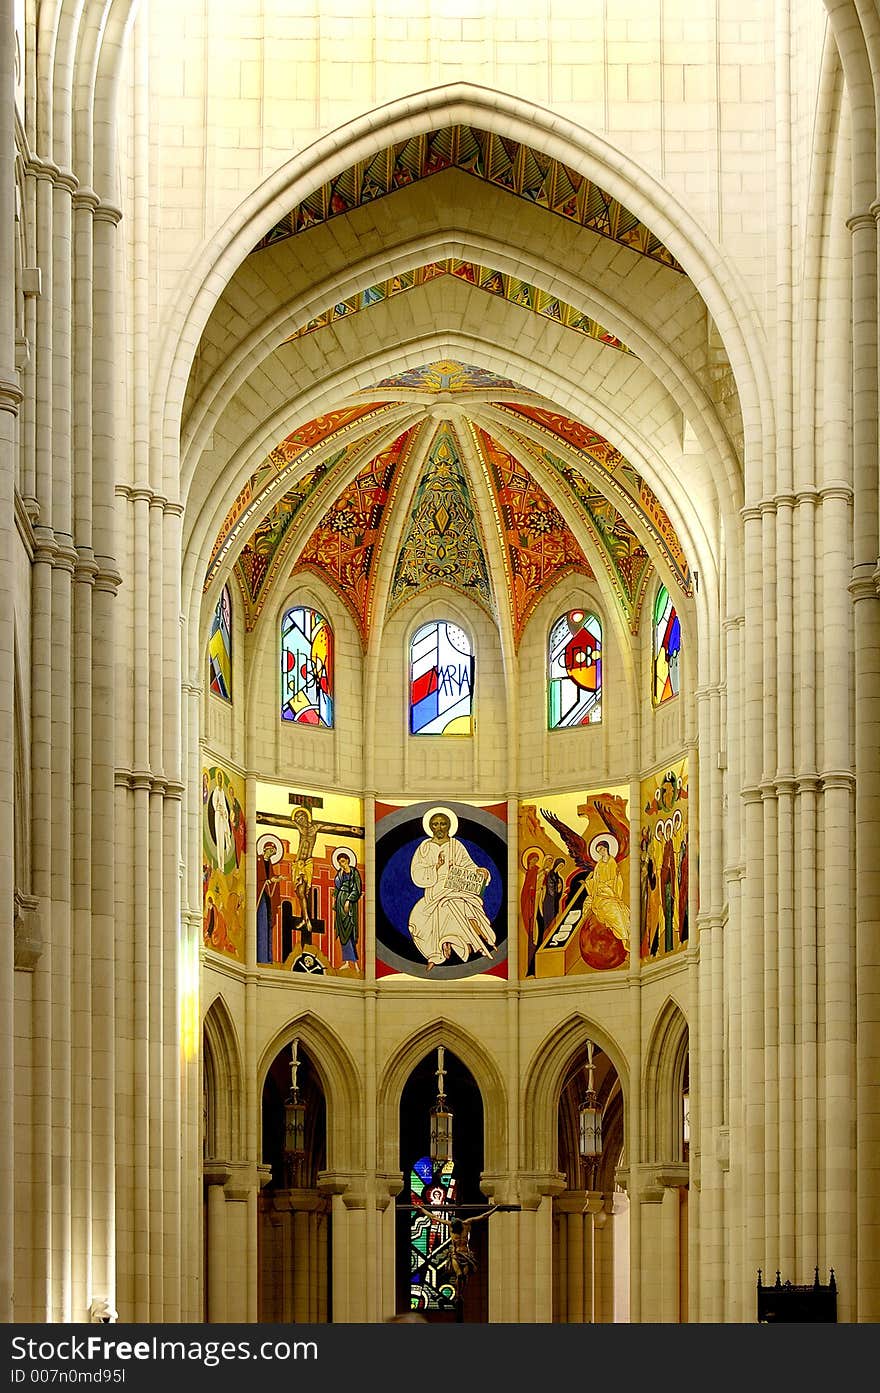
{"x": 10, "y": 397}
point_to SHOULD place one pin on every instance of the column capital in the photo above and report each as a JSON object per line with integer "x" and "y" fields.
{"x": 862, "y": 221}
{"x": 532, "y": 1187}
{"x": 11, "y": 395}
{"x": 350, "y": 1185}
{"x": 299, "y": 1201}
{"x": 107, "y": 212}
{"x": 388, "y": 1186}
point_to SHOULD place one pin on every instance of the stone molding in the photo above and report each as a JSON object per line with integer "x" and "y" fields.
{"x": 27, "y": 932}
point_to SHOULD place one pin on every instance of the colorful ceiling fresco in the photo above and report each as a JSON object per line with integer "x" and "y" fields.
{"x": 448, "y": 375}
{"x": 507, "y": 164}
{"x": 622, "y": 478}
{"x": 539, "y": 548}
{"x": 625, "y": 559}
{"x": 342, "y": 547}
{"x": 442, "y": 544}
{"x": 511, "y": 288}
{"x": 492, "y": 458}
{"x": 267, "y": 481}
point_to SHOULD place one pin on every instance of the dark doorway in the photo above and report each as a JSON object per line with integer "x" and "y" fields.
{"x": 436, "y": 1297}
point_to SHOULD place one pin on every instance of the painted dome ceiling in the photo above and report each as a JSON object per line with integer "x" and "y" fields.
{"x": 447, "y": 475}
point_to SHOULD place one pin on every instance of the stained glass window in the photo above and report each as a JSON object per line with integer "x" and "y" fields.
{"x": 441, "y": 680}
{"x": 574, "y": 671}
{"x": 431, "y": 1286}
{"x": 306, "y": 668}
{"x": 220, "y": 647}
{"x": 667, "y": 648}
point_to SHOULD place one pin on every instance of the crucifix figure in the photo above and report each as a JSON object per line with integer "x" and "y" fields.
{"x": 302, "y": 870}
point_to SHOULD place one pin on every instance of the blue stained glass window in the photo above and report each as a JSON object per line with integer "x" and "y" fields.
{"x": 220, "y": 647}
{"x": 441, "y": 680}
{"x": 431, "y": 1287}
{"x": 306, "y": 668}
{"x": 574, "y": 671}
{"x": 667, "y": 648}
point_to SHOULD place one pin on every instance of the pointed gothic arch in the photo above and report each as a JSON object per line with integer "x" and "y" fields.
{"x": 475, "y": 1057}
{"x": 224, "y": 1102}
{"x": 340, "y": 1081}
{"x": 666, "y": 1065}
{"x": 544, "y": 1082}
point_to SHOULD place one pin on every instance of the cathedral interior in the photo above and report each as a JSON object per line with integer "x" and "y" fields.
{"x": 442, "y": 563}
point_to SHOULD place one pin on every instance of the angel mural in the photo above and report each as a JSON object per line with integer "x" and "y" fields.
{"x": 595, "y": 900}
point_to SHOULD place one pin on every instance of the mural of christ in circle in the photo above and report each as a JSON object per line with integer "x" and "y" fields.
{"x": 442, "y": 889}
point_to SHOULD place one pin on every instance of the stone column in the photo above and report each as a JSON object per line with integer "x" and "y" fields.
{"x": 864, "y": 587}
{"x": 10, "y": 397}
{"x": 388, "y": 1187}
{"x": 570, "y": 1206}
{"x": 348, "y": 1236}
{"x": 601, "y": 1220}
{"x": 216, "y": 1176}
{"x": 536, "y": 1227}
{"x": 652, "y": 1273}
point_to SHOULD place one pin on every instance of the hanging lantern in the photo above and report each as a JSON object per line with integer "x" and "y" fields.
{"x": 294, "y": 1126}
{"x": 294, "y": 1118}
{"x": 441, "y": 1119}
{"x": 590, "y": 1116}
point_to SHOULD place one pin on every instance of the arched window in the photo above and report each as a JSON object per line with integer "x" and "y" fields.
{"x": 667, "y": 648}
{"x": 574, "y": 671}
{"x": 431, "y": 1183}
{"x": 220, "y": 647}
{"x": 441, "y": 680}
{"x": 306, "y": 668}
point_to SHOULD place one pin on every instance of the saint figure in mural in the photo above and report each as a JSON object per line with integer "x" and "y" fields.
{"x": 604, "y": 892}
{"x": 269, "y": 853}
{"x": 550, "y": 887}
{"x": 668, "y": 886}
{"x": 347, "y": 890}
{"x": 528, "y": 904}
{"x": 683, "y": 891}
{"x": 222, "y": 826}
{"x": 596, "y": 895}
{"x": 449, "y": 918}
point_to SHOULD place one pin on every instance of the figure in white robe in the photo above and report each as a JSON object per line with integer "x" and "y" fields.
{"x": 449, "y": 918}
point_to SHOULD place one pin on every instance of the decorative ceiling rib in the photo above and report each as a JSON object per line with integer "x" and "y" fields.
{"x": 626, "y": 560}
{"x": 343, "y": 546}
{"x": 507, "y": 164}
{"x": 539, "y": 548}
{"x": 510, "y": 288}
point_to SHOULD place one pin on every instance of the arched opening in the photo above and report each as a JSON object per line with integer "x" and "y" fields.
{"x": 590, "y": 1263}
{"x": 294, "y": 1215}
{"x": 441, "y": 1188}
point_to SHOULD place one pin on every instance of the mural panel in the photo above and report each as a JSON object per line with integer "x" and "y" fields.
{"x": 574, "y": 912}
{"x": 441, "y": 876}
{"x": 663, "y": 861}
{"x": 223, "y": 846}
{"x": 310, "y": 881}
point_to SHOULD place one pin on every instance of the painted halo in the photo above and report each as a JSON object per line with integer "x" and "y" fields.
{"x": 531, "y": 851}
{"x": 676, "y": 819}
{"x": 447, "y": 812}
{"x": 343, "y": 851}
{"x": 613, "y": 845}
{"x": 268, "y": 839}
